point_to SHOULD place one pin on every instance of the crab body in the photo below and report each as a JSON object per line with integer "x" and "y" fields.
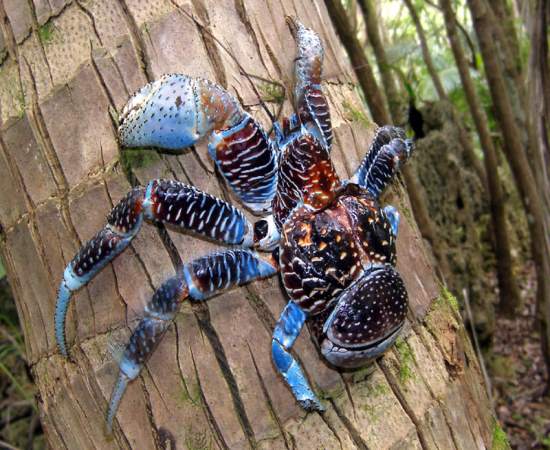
{"x": 324, "y": 254}
{"x": 332, "y": 243}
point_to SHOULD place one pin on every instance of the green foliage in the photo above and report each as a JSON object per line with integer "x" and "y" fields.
{"x": 272, "y": 92}
{"x": 446, "y": 296}
{"x": 405, "y": 55}
{"x": 355, "y": 114}
{"x": 136, "y": 158}
{"x": 17, "y": 388}
{"x": 500, "y": 440}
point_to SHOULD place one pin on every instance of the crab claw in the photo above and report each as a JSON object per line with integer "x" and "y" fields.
{"x": 309, "y": 60}
{"x": 176, "y": 111}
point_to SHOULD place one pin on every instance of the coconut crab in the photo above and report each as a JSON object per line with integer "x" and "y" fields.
{"x": 329, "y": 238}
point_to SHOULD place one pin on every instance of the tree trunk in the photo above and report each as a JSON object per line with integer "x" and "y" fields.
{"x": 539, "y": 92}
{"x": 509, "y": 292}
{"x": 359, "y": 61}
{"x": 538, "y": 216}
{"x": 211, "y": 383}
{"x": 396, "y": 104}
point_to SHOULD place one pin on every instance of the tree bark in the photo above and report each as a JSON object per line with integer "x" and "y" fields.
{"x": 509, "y": 292}
{"x": 538, "y": 216}
{"x": 359, "y": 61}
{"x": 211, "y": 383}
{"x": 539, "y": 92}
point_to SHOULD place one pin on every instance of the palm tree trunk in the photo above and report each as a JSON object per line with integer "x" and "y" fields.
{"x": 509, "y": 292}
{"x": 211, "y": 383}
{"x": 362, "y": 66}
{"x": 538, "y": 216}
{"x": 373, "y": 32}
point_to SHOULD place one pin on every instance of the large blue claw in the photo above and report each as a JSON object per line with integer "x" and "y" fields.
{"x": 176, "y": 111}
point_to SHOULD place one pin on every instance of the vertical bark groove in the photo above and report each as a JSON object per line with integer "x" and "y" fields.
{"x": 211, "y": 418}
{"x": 203, "y": 317}
{"x": 353, "y": 432}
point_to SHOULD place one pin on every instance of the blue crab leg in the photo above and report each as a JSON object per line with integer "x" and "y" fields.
{"x": 286, "y": 331}
{"x": 311, "y": 105}
{"x": 176, "y": 111}
{"x": 167, "y": 201}
{"x": 389, "y": 150}
{"x": 197, "y": 280}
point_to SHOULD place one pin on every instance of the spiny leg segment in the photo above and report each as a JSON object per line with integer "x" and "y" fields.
{"x": 197, "y": 280}
{"x": 389, "y": 150}
{"x": 310, "y": 102}
{"x": 167, "y": 201}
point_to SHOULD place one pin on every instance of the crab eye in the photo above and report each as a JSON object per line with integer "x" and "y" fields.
{"x": 266, "y": 235}
{"x": 261, "y": 228}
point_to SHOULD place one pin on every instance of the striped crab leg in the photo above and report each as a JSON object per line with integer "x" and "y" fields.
{"x": 177, "y": 111}
{"x": 166, "y": 201}
{"x": 197, "y": 280}
{"x": 310, "y": 102}
{"x": 389, "y": 150}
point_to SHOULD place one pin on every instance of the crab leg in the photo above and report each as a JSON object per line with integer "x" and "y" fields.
{"x": 197, "y": 280}
{"x": 389, "y": 150}
{"x": 286, "y": 331}
{"x": 176, "y": 111}
{"x": 167, "y": 201}
{"x": 310, "y": 102}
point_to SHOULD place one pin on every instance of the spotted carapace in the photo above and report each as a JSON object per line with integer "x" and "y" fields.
{"x": 329, "y": 239}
